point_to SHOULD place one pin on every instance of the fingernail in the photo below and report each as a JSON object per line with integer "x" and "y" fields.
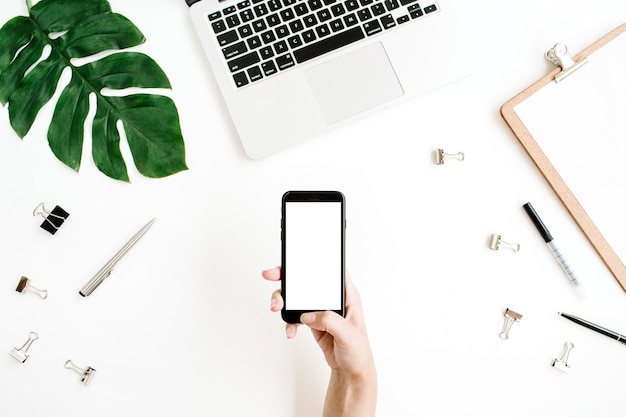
{"x": 290, "y": 332}
{"x": 273, "y": 303}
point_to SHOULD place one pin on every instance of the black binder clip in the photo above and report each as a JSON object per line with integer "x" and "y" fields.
{"x": 85, "y": 374}
{"x": 21, "y": 353}
{"x": 24, "y": 286}
{"x": 52, "y": 219}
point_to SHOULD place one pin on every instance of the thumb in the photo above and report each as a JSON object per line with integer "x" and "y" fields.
{"x": 328, "y": 321}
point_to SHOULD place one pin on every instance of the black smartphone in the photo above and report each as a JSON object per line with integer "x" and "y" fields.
{"x": 313, "y": 253}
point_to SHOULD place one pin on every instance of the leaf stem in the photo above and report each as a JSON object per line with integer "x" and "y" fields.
{"x": 29, "y": 5}
{"x": 68, "y": 63}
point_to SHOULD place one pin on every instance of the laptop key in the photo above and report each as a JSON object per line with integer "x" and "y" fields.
{"x": 287, "y": 14}
{"x": 268, "y": 37}
{"x": 232, "y": 21}
{"x": 301, "y": 9}
{"x": 336, "y": 25}
{"x": 218, "y": 26}
{"x": 403, "y": 19}
{"x": 372, "y": 28}
{"x": 309, "y": 20}
{"x": 309, "y": 36}
{"x": 338, "y": 9}
{"x": 378, "y": 9}
{"x": 266, "y": 52}
{"x": 417, "y": 13}
{"x": 269, "y": 68}
{"x": 322, "y": 30}
{"x": 273, "y": 20}
{"x": 315, "y": 4}
{"x": 324, "y": 15}
{"x": 281, "y": 47}
{"x": 243, "y": 61}
{"x": 328, "y": 44}
{"x": 260, "y": 10}
{"x": 240, "y": 79}
{"x": 364, "y": 14}
{"x": 245, "y": 31}
{"x": 227, "y": 37}
{"x": 392, "y": 4}
{"x": 253, "y": 42}
{"x": 274, "y": 5}
{"x": 284, "y": 62}
{"x": 215, "y": 15}
{"x": 296, "y": 26}
{"x": 388, "y": 21}
{"x": 234, "y": 50}
{"x": 255, "y": 73}
{"x": 282, "y": 31}
{"x": 246, "y": 15}
{"x": 350, "y": 19}
{"x": 351, "y": 5}
{"x": 259, "y": 25}
{"x": 295, "y": 41}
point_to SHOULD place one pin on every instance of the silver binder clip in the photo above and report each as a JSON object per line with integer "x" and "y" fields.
{"x": 496, "y": 243}
{"x": 560, "y": 363}
{"x": 21, "y": 353}
{"x": 510, "y": 317}
{"x": 52, "y": 219}
{"x": 24, "y": 286}
{"x": 85, "y": 374}
{"x": 441, "y": 156}
{"x": 560, "y": 57}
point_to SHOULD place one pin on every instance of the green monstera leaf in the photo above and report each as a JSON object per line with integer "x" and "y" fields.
{"x": 70, "y": 29}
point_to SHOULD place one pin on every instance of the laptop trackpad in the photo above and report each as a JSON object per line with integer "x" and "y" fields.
{"x": 354, "y": 82}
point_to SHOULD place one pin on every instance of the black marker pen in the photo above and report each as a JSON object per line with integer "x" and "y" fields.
{"x": 543, "y": 230}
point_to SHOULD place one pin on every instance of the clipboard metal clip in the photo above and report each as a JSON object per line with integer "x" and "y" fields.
{"x": 559, "y": 56}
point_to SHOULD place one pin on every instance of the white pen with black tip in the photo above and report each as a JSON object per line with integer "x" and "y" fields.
{"x": 543, "y": 230}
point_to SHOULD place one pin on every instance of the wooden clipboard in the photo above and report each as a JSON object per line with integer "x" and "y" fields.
{"x": 536, "y": 153}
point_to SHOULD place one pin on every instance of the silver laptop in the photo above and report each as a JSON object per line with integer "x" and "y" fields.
{"x": 290, "y": 70}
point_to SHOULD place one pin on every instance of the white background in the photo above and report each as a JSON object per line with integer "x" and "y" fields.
{"x": 183, "y": 326}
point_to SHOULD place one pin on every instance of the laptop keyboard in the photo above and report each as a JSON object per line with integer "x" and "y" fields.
{"x": 261, "y": 38}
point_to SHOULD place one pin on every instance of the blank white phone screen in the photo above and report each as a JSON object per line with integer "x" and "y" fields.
{"x": 313, "y": 255}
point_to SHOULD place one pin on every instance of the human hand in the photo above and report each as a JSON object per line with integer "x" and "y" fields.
{"x": 346, "y": 348}
{"x": 342, "y": 340}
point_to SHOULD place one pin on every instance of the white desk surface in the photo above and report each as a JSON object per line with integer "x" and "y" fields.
{"x": 183, "y": 326}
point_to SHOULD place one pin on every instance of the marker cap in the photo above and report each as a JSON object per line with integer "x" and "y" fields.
{"x": 538, "y": 223}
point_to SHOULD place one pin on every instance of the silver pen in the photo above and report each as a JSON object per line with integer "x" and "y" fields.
{"x": 106, "y": 270}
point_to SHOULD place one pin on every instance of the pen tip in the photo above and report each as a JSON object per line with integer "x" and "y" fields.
{"x": 559, "y": 313}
